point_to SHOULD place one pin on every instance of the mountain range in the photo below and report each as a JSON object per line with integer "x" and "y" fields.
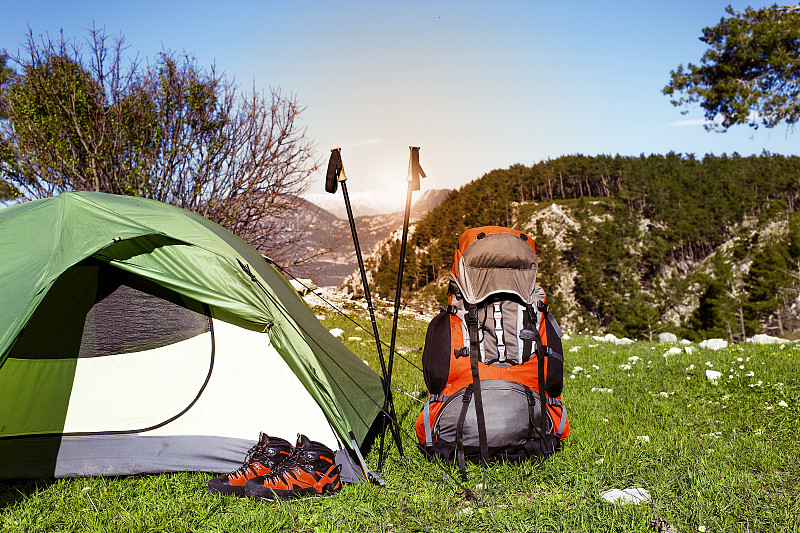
{"x": 329, "y": 233}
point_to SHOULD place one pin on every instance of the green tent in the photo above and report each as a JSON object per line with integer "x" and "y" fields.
{"x": 129, "y": 327}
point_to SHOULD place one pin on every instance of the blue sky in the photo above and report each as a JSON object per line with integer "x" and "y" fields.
{"x": 478, "y": 85}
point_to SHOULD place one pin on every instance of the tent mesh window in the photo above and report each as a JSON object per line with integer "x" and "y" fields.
{"x": 95, "y": 310}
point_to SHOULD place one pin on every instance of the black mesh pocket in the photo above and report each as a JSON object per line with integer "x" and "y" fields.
{"x": 436, "y": 354}
{"x": 555, "y": 367}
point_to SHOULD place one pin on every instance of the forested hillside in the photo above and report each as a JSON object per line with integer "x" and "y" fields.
{"x": 637, "y": 245}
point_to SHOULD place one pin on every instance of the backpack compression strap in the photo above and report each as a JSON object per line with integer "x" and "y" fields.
{"x": 465, "y": 399}
{"x": 541, "y": 352}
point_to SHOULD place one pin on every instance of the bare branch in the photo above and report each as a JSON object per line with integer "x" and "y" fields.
{"x": 170, "y": 131}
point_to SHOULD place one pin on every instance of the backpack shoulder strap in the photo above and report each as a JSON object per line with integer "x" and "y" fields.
{"x": 475, "y": 386}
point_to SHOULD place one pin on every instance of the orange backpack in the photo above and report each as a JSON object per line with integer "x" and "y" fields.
{"x": 487, "y": 353}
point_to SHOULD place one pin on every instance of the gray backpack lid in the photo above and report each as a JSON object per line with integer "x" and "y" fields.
{"x": 497, "y": 263}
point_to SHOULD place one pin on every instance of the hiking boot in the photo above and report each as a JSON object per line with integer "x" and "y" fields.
{"x": 310, "y": 470}
{"x": 261, "y": 459}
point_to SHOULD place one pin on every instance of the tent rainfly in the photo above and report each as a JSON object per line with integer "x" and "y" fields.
{"x": 133, "y": 340}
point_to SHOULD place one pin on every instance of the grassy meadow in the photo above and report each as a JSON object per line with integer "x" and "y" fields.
{"x": 720, "y": 456}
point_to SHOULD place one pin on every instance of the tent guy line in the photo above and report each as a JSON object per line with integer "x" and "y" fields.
{"x": 335, "y": 308}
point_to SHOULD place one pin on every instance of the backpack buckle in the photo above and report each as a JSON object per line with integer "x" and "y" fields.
{"x": 527, "y": 335}
{"x": 531, "y": 396}
{"x": 467, "y": 397}
{"x": 543, "y": 307}
{"x": 463, "y": 352}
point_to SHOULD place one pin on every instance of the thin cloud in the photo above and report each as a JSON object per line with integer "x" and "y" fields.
{"x": 753, "y": 117}
{"x": 368, "y": 142}
{"x": 691, "y": 122}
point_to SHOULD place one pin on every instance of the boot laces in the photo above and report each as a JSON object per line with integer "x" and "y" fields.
{"x": 258, "y": 452}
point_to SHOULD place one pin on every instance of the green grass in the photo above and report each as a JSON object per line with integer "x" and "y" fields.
{"x": 723, "y": 457}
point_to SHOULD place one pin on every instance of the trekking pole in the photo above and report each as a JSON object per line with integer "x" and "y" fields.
{"x": 334, "y": 176}
{"x": 414, "y": 174}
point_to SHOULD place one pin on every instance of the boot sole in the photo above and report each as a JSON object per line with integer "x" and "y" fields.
{"x": 326, "y": 491}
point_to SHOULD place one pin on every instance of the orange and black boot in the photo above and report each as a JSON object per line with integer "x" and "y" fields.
{"x": 310, "y": 471}
{"x": 262, "y": 459}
